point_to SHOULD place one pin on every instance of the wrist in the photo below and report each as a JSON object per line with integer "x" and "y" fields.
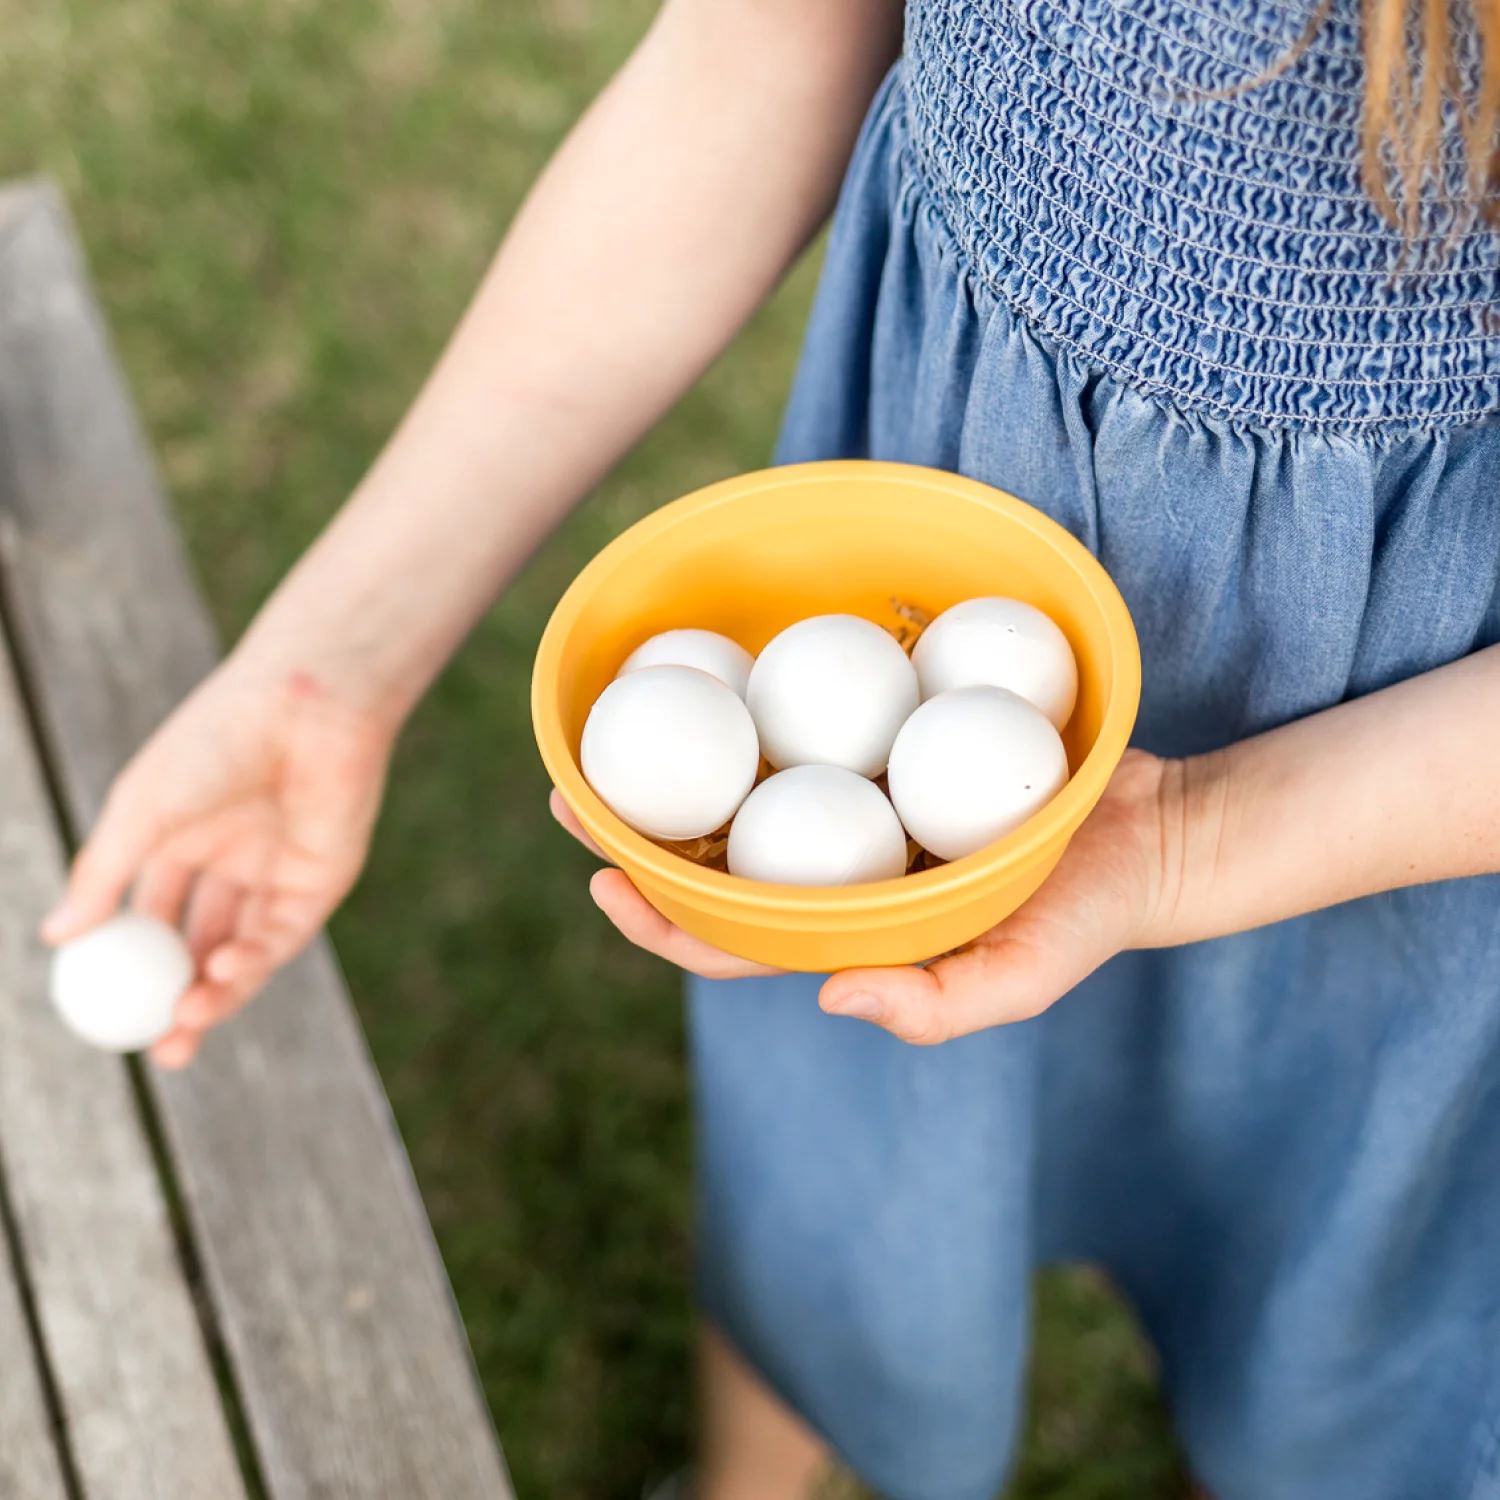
{"x": 1192, "y": 818}
{"x": 313, "y": 669}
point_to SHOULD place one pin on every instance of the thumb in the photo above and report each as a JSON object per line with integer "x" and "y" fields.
{"x": 127, "y": 830}
{"x": 1012, "y": 973}
{"x": 995, "y": 981}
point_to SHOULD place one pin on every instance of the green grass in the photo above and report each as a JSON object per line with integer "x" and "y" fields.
{"x": 286, "y": 203}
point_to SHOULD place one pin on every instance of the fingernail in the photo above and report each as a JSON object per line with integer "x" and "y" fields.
{"x": 862, "y": 1005}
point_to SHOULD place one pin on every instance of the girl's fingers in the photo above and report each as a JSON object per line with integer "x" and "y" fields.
{"x": 239, "y": 940}
{"x": 239, "y": 964}
{"x": 208, "y": 921}
{"x": 207, "y": 1005}
{"x": 990, "y": 983}
{"x": 568, "y": 819}
{"x": 639, "y": 921}
{"x": 212, "y": 913}
{"x": 177, "y": 1048}
{"x": 161, "y": 889}
{"x": 283, "y": 922}
{"x": 127, "y": 830}
{"x": 1088, "y": 910}
{"x": 1010, "y": 974}
{"x": 242, "y": 940}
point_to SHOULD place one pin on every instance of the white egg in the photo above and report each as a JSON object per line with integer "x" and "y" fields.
{"x": 972, "y": 764}
{"x": 832, "y": 691}
{"x": 705, "y": 649}
{"x": 671, "y": 750}
{"x": 118, "y": 984}
{"x": 817, "y": 825}
{"x": 1001, "y": 643}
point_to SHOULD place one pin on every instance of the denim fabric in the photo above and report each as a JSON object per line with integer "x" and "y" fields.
{"x": 1217, "y": 250}
{"x": 1284, "y": 1146}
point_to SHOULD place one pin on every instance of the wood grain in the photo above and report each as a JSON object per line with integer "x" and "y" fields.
{"x": 142, "y": 1410}
{"x": 335, "y": 1309}
{"x": 29, "y": 1465}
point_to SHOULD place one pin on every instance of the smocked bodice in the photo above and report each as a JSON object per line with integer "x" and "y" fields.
{"x": 1220, "y": 251}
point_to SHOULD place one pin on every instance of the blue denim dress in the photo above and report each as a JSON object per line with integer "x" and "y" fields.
{"x": 1175, "y": 323}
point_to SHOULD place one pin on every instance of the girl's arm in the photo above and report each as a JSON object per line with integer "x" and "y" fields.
{"x": 1397, "y": 788}
{"x": 1394, "y": 789}
{"x": 665, "y": 219}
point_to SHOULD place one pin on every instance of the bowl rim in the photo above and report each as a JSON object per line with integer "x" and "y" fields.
{"x": 1057, "y": 819}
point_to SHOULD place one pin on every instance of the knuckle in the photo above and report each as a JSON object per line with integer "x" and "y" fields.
{"x": 1029, "y": 1007}
{"x": 923, "y": 1027}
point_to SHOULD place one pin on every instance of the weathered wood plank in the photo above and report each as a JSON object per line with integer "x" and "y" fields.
{"x": 348, "y": 1354}
{"x": 139, "y": 1399}
{"x": 29, "y": 1465}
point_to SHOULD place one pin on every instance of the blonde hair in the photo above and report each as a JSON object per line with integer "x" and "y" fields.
{"x": 1413, "y": 69}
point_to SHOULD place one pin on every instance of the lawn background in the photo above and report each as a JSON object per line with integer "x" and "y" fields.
{"x": 285, "y": 205}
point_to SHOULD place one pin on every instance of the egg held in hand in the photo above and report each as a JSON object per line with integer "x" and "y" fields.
{"x": 817, "y": 825}
{"x": 118, "y": 985}
{"x": 705, "y": 649}
{"x": 831, "y": 691}
{"x": 972, "y": 764}
{"x": 671, "y": 750}
{"x": 999, "y": 643}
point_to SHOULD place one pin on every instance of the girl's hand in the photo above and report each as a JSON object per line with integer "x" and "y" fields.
{"x": 244, "y": 821}
{"x": 1113, "y": 889}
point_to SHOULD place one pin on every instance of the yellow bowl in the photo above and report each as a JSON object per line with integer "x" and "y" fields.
{"x": 750, "y": 556}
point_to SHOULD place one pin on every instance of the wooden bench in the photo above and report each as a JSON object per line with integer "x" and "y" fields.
{"x": 221, "y": 1284}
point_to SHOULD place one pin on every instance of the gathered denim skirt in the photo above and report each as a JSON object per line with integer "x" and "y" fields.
{"x": 1284, "y": 1146}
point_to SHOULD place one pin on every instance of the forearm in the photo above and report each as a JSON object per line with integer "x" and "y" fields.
{"x": 1397, "y": 788}
{"x": 668, "y": 215}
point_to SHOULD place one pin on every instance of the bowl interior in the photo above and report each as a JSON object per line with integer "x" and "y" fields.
{"x": 754, "y": 555}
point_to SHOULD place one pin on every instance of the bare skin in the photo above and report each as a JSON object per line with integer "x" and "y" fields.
{"x": 614, "y": 288}
{"x": 1288, "y": 822}
{"x": 754, "y": 1446}
{"x": 247, "y": 816}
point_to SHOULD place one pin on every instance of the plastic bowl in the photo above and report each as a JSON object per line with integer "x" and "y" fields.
{"x": 750, "y": 556}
